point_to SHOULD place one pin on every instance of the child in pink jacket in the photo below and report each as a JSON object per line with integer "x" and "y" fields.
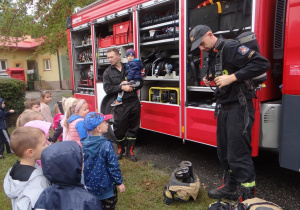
{"x": 74, "y": 121}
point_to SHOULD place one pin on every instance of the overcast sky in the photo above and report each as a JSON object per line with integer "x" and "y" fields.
{"x": 30, "y": 9}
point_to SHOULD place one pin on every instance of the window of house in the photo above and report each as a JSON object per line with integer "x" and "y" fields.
{"x": 18, "y": 65}
{"x": 47, "y": 64}
{"x": 3, "y": 65}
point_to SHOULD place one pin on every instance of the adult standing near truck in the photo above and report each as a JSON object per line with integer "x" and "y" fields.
{"x": 126, "y": 115}
{"x": 234, "y": 109}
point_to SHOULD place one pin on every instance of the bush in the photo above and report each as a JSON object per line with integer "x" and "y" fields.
{"x": 13, "y": 93}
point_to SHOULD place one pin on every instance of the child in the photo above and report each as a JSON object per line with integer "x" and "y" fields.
{"x": 46, "y": 112}
{"x": 62, "y": 165}
{"x": 74, "y": 121}
{"x": 59, "y": 112}
{"x": 24, "y": 182}
{"x": 66, "y": 103}
{"x": 32, "y": 104}
{"x": 101, "y": 167}
{"x": 134, "y": 69}
{"x": 28, "y": 115}
{"x": 4, "y": 136}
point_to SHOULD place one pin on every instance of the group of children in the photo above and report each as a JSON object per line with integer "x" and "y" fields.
{"x": 81, "y": 172}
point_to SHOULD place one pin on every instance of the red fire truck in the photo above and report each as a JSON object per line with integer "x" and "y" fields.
{"x": 174, "y": 100}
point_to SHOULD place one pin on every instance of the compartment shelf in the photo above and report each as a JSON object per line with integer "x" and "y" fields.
{"x": 228, "y": 31}
{"x": 159, "y": 25}
{"x": 82, "y": 46}
{"x": 159, "y": 78}
{"x": 84, "y": 63}
{"x": 116, "y": 46}
{"x": 199, "y": 89}
{"x": 160, "y": 41}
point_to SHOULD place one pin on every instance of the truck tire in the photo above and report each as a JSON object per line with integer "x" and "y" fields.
{"x": 106, "y": 108}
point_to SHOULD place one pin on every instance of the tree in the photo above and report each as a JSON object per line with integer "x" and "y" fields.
{"x": 44, "y": 19}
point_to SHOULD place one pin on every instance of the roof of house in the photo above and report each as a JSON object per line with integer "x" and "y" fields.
{"x": 26, "y": 43}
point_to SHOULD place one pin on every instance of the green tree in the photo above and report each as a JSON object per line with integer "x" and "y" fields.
{"x": 45, "y": 19}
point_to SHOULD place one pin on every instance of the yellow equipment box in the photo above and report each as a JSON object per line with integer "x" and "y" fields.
{"x": 164, "y": 95}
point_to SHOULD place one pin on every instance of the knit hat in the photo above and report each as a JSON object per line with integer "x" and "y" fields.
{"x": 130, "y": 52}
{"x": 43, "y": 125}
{"x": 93, "y": 119}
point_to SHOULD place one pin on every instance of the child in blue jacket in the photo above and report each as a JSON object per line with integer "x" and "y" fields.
{"x": 4, "y": 136}
{"x": 134, "y": 69}
{"x": 101, "y": 167}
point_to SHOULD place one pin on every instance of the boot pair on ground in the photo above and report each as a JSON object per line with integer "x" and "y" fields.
{"x": 129, "y": 149}
{"x": 232, "y": 190}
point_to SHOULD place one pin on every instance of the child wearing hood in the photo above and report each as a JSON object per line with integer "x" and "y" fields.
{"x": 62, "y": 166}
{"x": 24, "y": 182}
{"x": 101, "y": 167}
{"x": 4, "y": 136}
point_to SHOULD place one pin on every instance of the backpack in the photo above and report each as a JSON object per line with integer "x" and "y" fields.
{"x": 220, "y": 205}
{"x": 249, "y": 40}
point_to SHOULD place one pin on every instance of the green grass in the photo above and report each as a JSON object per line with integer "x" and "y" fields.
{"x": 144, "y": 187}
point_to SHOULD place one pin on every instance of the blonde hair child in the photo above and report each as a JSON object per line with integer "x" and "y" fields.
{"x": 45, "y": 110}
{"x": 74, "y": 121}
{"x": 28, "y": 115}
{"x": 66, "y": 103}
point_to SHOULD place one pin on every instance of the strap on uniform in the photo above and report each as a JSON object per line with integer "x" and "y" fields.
{"x": 243, "y": 103}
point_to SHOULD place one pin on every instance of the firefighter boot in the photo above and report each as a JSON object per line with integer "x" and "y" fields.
{"x": 121, "y": 148}
{"x": 247, "y": 192}
{"x": 130, "y": 148}
{"x": 228, "y": 190}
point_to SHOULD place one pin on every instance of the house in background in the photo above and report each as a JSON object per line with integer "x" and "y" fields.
{"x": 43, "y": 71}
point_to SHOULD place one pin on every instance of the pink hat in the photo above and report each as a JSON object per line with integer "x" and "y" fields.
{"x": 43, "y": 125}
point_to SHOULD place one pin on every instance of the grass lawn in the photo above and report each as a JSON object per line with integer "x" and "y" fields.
{"x": 144, "y": 187}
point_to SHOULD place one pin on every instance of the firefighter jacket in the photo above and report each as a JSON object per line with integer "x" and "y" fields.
{"x": 244, "y": 63}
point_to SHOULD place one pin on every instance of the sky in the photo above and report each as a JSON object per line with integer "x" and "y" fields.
{"x": 29, "y": 8}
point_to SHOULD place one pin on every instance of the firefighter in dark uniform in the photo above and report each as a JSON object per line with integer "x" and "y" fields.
{"x": 235, "y": 113}
{"x": 126, "y": 115}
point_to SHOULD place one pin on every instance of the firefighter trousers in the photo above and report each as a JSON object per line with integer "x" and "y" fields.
{"x": 127, "y": 119}
{"x": 234, "y": 147}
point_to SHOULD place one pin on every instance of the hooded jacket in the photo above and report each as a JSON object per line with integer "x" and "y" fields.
{"x": 24, "y": 194}
{"x": 3, "y": 115}
{"x": 134, "y": 70}
{"x": 101, "y": 167}
{"x": 62, "y": 164}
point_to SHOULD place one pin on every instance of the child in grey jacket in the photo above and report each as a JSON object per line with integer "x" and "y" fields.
{"x": 24, "y": 182}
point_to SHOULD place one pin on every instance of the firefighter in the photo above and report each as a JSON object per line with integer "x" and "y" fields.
{"x": 234, "y": 109}
{"x": 126, "y": 115}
